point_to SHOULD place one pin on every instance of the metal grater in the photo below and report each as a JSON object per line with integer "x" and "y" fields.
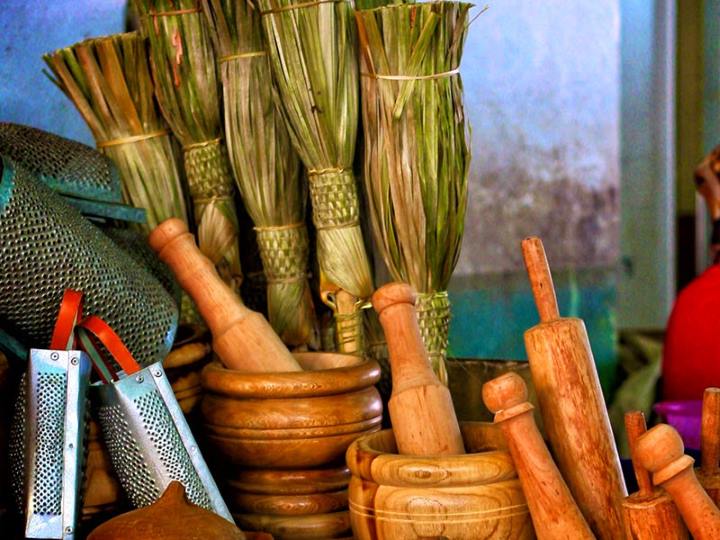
{"x": 150, "y": 443}
{"x": 47, "y": 444}
{"x": 47, "y": 247}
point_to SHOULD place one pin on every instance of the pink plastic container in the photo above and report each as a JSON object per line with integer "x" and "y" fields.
{"x": 685, "y": 416}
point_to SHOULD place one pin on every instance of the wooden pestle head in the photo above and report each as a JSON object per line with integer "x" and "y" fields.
{"x": 659, "y": 447}
{"x": 504, "y": 392}
{"x": 391, "y": 294}
{"x": 166, "y": 232}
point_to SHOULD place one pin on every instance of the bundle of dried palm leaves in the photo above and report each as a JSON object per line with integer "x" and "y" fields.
{"x": 108, "y": 80}
{"x": 183, "y": 68}
{"x": 313, "y": 53}
{"x": 266, "y": 167}
{"x": 416, "y": 150}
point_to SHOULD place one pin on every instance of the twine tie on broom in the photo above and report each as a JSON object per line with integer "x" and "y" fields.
{"x": 442, "y": 75}
{"x": 240, "y": 56}
{"x": 301, "y": 5}
{"x": 132, "y": 139}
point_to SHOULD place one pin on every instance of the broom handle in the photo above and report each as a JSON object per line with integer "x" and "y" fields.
{"x": 540, "y": 279}
{"x": 635, "y": 427}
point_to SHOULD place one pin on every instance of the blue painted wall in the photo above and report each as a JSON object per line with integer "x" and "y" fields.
{"x": 30, "y": 28}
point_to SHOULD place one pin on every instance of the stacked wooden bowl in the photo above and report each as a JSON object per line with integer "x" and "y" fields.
{"x": 281, "y": 439}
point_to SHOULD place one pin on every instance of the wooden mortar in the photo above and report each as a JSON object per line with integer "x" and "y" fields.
{"x": 281, "y": 439}
{"x": 473, "y": 496}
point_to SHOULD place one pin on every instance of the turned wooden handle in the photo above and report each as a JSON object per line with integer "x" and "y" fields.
{"x": 710, "y": 432}
{"x": 242, "y": 338}
{"x": 421, "y": 408}
{"x": 635, "y": 427}
{"x": 395, "y": 305}
{"x": 552, "y": 507}
{"x": 540, "y": 278}
{"x": 661, "y": 451}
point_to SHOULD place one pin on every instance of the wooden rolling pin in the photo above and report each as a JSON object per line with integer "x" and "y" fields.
{"x": 421, "y": 408}
{"x": 661, "y": 451}
{"x": 572, "y": 405}
{"x": 552, "y": 508}
{"x": 242, "y": 338}
{"x": 709, "y": 473}
{"x": 650, "y": 512}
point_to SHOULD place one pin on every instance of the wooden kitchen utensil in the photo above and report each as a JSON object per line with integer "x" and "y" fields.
{"x": 552, "y": 508}
{"x": 661, "y": 451}
{"x": 709, "y": 473}
{"x": 572, "y": 405}
{"x": 242, "y": 338}
{"x": 421, "y": 408}
{"x": 650, "y": 512}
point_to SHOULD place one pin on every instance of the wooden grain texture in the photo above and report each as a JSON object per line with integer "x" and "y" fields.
{"x": 473, "y": 496}
{"x": 101, "y": 488}
{"x": 572, "y": 405}
{"x": 171, "y": 517}
{"x": 650, "y": 512}
{"x": 661, "y": 451}
{"x": 292, "y": 503}
{"x": 242, "y": 338}
{"x": 552, "y": 508}
{"x": 292, "y": 420}
{"x": 420, "y": 406}
{"x": 709, "y": 473}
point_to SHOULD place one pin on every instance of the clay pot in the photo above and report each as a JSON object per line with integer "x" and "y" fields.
{"x": 171, "y": 517}
{"x": 284, "y": 437}
{"x": 473, "y": 496}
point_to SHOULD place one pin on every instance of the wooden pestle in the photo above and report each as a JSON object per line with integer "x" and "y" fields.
{"x": 650, "y": 512}
{"x": 572, "y": 405}
{"x": 661, "y": 451}
{"x": 709, "y": 473}
{"x": 242, "y": 338}
{"x": 552, "y": 508}
{"x": 421, "y": 408}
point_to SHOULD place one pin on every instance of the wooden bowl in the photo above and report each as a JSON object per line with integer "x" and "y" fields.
{"x": 474, "y": 496}
{"x": 291, "y": 420}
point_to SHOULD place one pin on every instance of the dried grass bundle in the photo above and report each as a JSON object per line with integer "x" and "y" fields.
{"x": 109, "y": 82}
{"x": 416, "y": 150}
{"x": 183, "y": 68}
{"x": 313, "y": 52}
{"x": 266, "y": 167}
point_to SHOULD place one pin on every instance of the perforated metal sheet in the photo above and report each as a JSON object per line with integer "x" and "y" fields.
{"x": 68, "y": 167}
{"x": 47, "y": 246}
{"x": 16, "y": 453}
{"x": 150, "y": 443}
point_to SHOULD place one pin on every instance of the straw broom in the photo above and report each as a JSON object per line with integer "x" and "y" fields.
{"x": 313, "y": 53}
{"x": 416, "y": 150}
{"x": 266, "y": 167}
{"x": 108, "y": 80}
{"x": 183, "y": 69}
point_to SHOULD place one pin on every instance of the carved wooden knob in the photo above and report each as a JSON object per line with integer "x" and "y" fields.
{"x": 166, "y": 232}
{"x": 659, "y": 447}
{"x": 391, "y": 294}
{"x": 504, "y": 392}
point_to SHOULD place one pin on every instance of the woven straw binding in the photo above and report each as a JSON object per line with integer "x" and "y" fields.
{"x": 208, "y": 172}
{"x": 433, "y": 311}
{"x": 284, "y": 253}
{"x": 334, "y": 199}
